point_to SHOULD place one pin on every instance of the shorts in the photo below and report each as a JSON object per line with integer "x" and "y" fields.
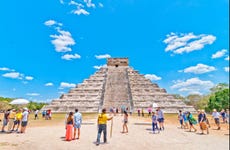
{"x": 217, "y": 120}
{"x": 77, "y": 125}
{"x": 125, "y": 121}
{"x": 16, "y": 122}
{"x": 5, "y": 122}
{"x": 24, "y": 123}
{"x": 160, "y": 120}
{"x": 181, "y": 122}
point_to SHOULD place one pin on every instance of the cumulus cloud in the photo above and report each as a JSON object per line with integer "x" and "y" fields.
{"x": 180, "y": 43}
{"x": 29, "y": 78}
{"x": 192, "y": 85}
{"x": 102, "y": 56}
{"x": 66, "y": 85}
{"x": 6, "y": 69}
{"x": 227, "y": 58}
{"x": 99, "y": 67}
{"x": 219, "y": 54}
{"x": 49, "y": 84}
{"x": 89, "y": 3}
{"x": 13, "y": 75}
{"x": 199, "y": 69}
{"x": 63, "y": 41}
{"x": 80, "y": 11}
{"x": 33, "y": 94}
{"x": 152, "y": 77}
{"x": 70, "y": 56}
{"x": 52, "y": 22}
{"x": 226, "y": 69}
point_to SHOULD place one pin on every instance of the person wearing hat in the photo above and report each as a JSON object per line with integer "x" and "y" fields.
{"x": 101, "y": 122}
{"x": 216, "y": 116}
{"x": 25, "y": 115}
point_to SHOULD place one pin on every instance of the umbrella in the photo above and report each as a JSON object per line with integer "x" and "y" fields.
{"x": 155, "y": 105}
{"x": 19, "y": 101}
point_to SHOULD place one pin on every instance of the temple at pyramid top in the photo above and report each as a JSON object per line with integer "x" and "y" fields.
{"x": 117, "y": 62}
{"x": 116, "y": 85}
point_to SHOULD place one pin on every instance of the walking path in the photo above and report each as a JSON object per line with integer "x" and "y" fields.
{"x": 139, "y": 137}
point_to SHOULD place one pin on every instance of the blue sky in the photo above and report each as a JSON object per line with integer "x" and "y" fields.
{"x": 49, "y": 46}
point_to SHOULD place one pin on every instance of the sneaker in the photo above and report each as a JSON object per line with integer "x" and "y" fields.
{"x": 97, "y": 143}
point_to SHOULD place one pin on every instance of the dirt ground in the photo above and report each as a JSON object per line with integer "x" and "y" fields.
{"x": 50, "y": 134}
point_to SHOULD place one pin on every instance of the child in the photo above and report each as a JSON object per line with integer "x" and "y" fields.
{"x": 154, "y": 123}
{"x": 125, "y": 122}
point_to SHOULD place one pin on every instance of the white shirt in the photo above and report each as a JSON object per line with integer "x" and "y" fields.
{"x": 25, "y": 116}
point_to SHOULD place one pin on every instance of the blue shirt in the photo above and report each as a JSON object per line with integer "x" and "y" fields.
{"x": 77, "y": 118}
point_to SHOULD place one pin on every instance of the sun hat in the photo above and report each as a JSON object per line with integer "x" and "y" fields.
{"x": 26, "y": 109}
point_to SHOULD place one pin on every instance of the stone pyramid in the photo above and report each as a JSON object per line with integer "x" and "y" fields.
{"x": 114, "y": 86}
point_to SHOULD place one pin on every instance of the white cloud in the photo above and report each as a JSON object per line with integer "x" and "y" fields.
{"x": 219, "y": 54}
{"x": 152, "y": 77}
{"x": 192, "y": 85}
{"x": 66, "y": 85}
{"x": 180, "y": 43}
{"x": 13, "y": 75}
{"x": 226, "y": 69}
{"x": 80, "y": 11}
{"x": 100, "y": 5}
{"x": 227, "y": 58}
{"x": 89, "y": 3}
{"x": 49, "y": 84}
{"x": 102, "y": 56}
{"x": 33, "y": 94}
{"x": 70, "y": 56}
{"x": 6, "y": 69}
{"x": 50, "y": 22}
{"x": 62, "y": 41}
{"x": 199, "y": 69}
{"x": 29, "y": 78}
{"x": 99, "y": 67}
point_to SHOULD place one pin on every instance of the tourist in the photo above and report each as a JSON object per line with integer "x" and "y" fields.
{"x": 185, "y": 119}
{"x": 43, "y": 113}
{"x": 216, "y": 117}
{"x": 117, "y": 111}
{"x": 36, "y": 114}
{"x": 160, "y": 116}
{"x": 223, "y": 115}
{"x": 102, "y": 121}
{"x": 77, "y": 123}
{"x": 25, "y": 116}
{"x": 149, "y": 111}
{"x": 139, "y": 112}
{"x": 11, "y": 120}
{"x": 192, "y": 121}
{"x": 154, "y": 123}
{"x": 125, "y": 121}
{"x": 18, "y": 118}
{"x": 69, "y": 127}
{"x": 142, "y": 112}
{"x": 202, "y": 119}
{"x": 5, "y": 120}
{"x": 227, "y": 118}
{"x": 180, "y": 118}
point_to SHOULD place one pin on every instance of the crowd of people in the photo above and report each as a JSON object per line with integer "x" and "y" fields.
{"x": 188, "y": 121}
{"x": 15, "y": 120}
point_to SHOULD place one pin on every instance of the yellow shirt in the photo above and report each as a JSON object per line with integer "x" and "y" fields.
{"x": 19, "y": 116}
{"x": 102, "y": 118}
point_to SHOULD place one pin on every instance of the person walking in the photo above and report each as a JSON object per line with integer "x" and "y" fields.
{"x": 192, "y": 121}
{"x": 36, "y": 114}
{"x": 102, "y": 126}
{"x": 125, "y": 127}
{"x": 216, "y": 116}
{"x": 203, "y": 121}
{"x": 77, "y": 123}
{"x": 180, "y": 118}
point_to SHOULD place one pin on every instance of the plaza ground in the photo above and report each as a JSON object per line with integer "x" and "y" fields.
{"x": 50, "y": 134}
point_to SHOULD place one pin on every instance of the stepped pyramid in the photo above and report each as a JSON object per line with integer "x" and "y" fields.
{"x": 114, "y": 86}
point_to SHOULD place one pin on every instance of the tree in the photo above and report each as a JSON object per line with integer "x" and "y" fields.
{"x": 219, "y": 100}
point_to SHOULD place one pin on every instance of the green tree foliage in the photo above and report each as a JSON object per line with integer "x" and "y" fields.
{"x": 219, "y": 100}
